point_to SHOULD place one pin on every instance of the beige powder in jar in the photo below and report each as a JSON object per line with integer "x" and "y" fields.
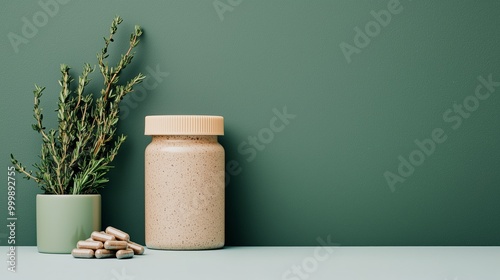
{"x": 184, "y": 183}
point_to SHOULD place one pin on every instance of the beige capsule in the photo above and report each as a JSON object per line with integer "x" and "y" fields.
{"x": 82, "y": 253}
{"x": 138, "y": 249}
{"x": 100, "y": 236}
{"x": 115, "y": 245}
{"x": 125, "y": 254}
{"x": 94, "y": 245}
{"x": 104, "y": 253}
{"x": 89, "y": 239}
{"x": 117, "y": 233}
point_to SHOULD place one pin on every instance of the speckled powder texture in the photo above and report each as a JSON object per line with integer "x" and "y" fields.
{"x": 184, "y": 193}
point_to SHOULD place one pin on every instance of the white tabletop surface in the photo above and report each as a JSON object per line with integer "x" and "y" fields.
{"x": 293, "y": 263}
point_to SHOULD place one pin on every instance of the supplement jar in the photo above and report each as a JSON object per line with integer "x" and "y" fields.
{"x": 184, "y": 182}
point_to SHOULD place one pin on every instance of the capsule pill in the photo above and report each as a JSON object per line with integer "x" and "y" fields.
{"x": 94, "y": 245}
{"x": 125, "y": 254}
{"x": 99, "y": 236}
{"x": 115, "y": 245}
{"x": 104, "y": 253}
{"x": 117, "y": 233}
{"x": 82, "y": 253}
{"x": 138, "y": 249}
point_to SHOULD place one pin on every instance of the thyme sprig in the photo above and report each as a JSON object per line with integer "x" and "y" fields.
{"x": 76, "y": 157}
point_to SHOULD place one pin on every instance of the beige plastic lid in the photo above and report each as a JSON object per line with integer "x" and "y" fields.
{"x": 184, "y": 125}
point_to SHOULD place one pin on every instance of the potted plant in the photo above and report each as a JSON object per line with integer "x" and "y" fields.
{"x": 76, "y": 156}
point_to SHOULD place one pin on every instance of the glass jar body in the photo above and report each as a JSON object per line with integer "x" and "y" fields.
{"x": 184, "y": 193}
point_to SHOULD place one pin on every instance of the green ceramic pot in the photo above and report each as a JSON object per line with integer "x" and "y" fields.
{"x": 63, "y": 220}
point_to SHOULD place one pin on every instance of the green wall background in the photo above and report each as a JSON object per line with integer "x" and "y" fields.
{"x": 323, "y": 174}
